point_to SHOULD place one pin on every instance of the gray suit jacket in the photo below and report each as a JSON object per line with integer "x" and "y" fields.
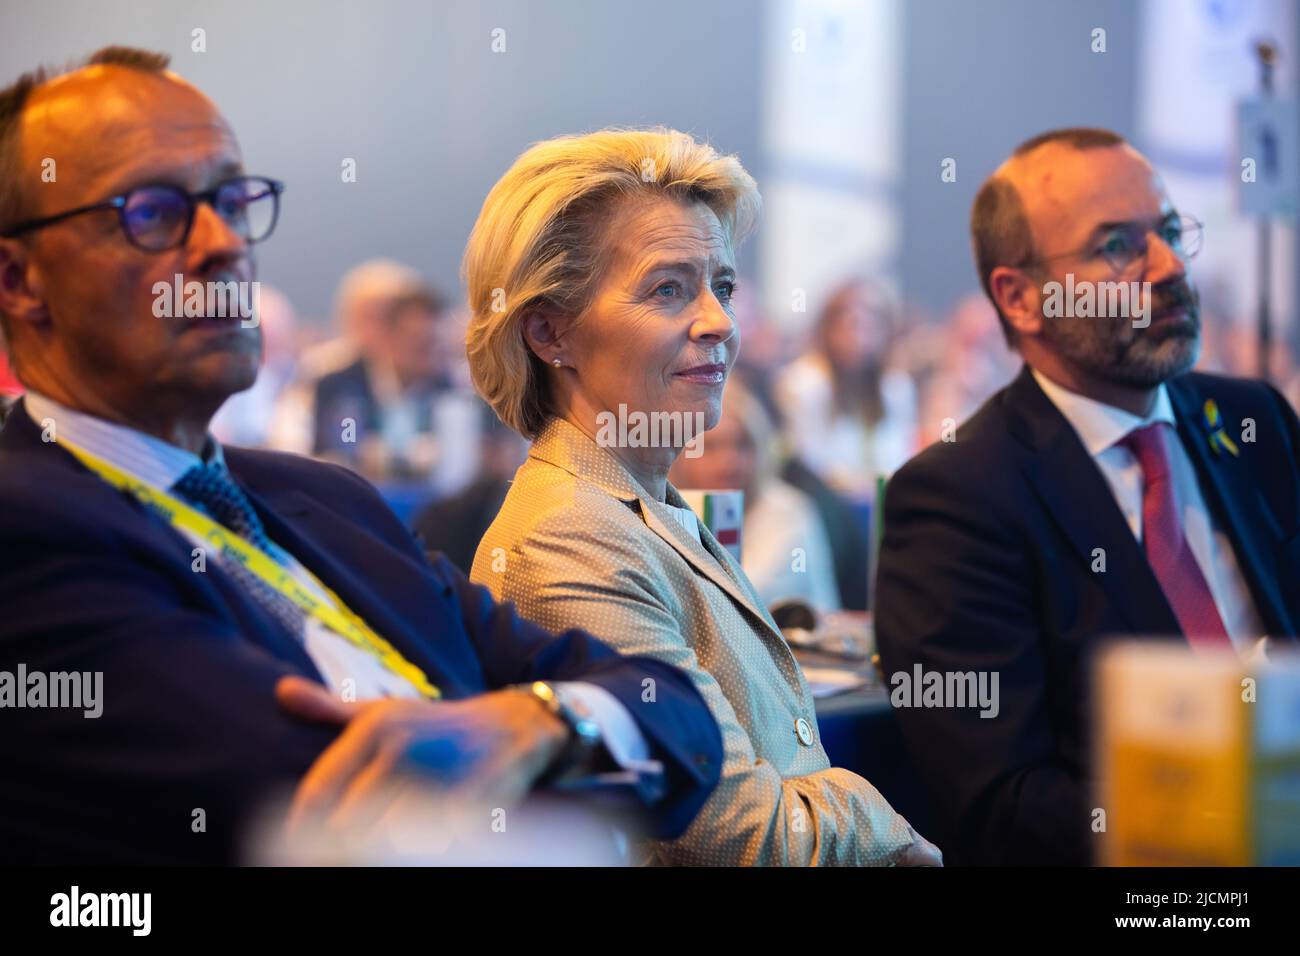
{"x": 579, "y": 543}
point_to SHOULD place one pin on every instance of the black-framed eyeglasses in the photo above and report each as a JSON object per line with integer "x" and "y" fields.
{"x": 1125, "y": 243}
{"x": 159, "y": 216}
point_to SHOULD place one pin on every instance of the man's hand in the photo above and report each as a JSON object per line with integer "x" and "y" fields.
{"x": 489, "y": 749}
{"x": 921, "y": 853}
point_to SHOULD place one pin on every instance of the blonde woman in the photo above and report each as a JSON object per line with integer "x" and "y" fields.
{"x": 600, "y": 276}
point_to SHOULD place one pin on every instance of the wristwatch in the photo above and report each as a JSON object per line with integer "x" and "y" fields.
{"x": 585, "y": 738}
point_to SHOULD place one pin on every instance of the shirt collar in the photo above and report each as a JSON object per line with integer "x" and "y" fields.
{"x": 150, "y": 459}
{"x": 1098, "y": 425}
{"x": 562, "y": 444}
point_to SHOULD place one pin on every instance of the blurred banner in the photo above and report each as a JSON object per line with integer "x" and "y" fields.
{"x": 722, "y": 512}
{"x": 1195, "y": 66}
{"x": 833, "y": 151}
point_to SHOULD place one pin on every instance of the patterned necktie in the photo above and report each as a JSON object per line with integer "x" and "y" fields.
{"x": 1167, "y": 550}
{"x": 210, "y": 488}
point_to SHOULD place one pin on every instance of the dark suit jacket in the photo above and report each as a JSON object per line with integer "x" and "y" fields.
{"x": 850, "y": 549}
{"x": 90, "y": 580}
{"x": 455, "y": 525}
{"x": 345, "y": 393}
{"x": 349, "y": 393}
{"x": 986, "y": 565}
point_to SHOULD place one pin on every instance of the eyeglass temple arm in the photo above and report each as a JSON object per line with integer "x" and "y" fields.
{"x": 115, "y": 203}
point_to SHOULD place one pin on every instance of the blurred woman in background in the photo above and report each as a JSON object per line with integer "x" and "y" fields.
{"x": 849, "y": 415}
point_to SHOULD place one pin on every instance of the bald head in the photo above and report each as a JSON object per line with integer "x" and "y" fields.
{"x": 1058, "y": 184}
{"x": 78, "y": 296}
{"x": 128, "y": 112}
{"x": 1009, "y": 203}
{"x": 57, "y": 92}
{"x": 62, "y": 132}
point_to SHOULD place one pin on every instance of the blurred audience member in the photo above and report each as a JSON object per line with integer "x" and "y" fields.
{"x": 393, "y": 414}
{"x": 849, "y": 415}
{"x": 1230, "y": 341}
{"x": 971, "y": 363}
{"x": 454, "y": 525}
{"x": 765, "y": 351}
{"x": 845, "y": 529}
{"x": 1238, "y": 352}
{"x": 783, "y": 544}
{"x": 9, "y": 385}
{"x": 1220, "y": 323}
{"x": 362, "y": 297}
{"x": 246, "y": 418}
{"x": 10, "y": 388}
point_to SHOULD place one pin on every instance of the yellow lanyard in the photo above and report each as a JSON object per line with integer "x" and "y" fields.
{"x": 338, "y": 617}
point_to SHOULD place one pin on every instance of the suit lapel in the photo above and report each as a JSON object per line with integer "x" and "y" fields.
{"x": 1081, "y": 504}
{"x": 315, "y": 534}
{"x": 1232, "y": 497}
{"x": 705, "y": 555}
{"x": 153, "y": 535}
{"x": 563, "y": 445}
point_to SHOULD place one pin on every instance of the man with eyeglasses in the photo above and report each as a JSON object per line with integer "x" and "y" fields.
{"x": 257, "y": 621}
{"x": 1106, "y": 491}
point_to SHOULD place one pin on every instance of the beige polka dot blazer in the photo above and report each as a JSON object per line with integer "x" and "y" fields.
{"x": 579, "y": 543}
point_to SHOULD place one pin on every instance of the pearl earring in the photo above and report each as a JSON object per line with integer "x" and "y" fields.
{"x": 555, "y": 362}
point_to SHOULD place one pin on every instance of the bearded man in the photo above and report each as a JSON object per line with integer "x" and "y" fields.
{"x": 1106, "y": 491}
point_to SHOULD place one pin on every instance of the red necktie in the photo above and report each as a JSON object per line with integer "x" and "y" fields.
{"x": 1166, "y": 546}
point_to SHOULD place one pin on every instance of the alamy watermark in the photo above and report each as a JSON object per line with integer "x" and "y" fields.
{"x": 77, "y": 690}
{"x": 133, "y": 911}
{"x": 214, "y": 300}
{"x": 945, "y": 689}
{"x": 1099, "y": 300}
{"x": 638, "y": 429}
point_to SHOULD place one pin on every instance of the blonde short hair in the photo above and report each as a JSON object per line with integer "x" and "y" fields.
{"x": 539, "y": 241}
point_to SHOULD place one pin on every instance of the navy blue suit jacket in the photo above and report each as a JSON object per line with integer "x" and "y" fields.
{"x": 986, "y": 565}
{"x": 91, "y": 580}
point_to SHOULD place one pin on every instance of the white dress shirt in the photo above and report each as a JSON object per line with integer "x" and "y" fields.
{"x": 1099, "y": 427}
{"x": 346, "y": 668}
{"x": 686, "y": 518}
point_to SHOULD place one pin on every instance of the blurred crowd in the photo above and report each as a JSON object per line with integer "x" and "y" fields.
{"x": 813, "y": 421}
